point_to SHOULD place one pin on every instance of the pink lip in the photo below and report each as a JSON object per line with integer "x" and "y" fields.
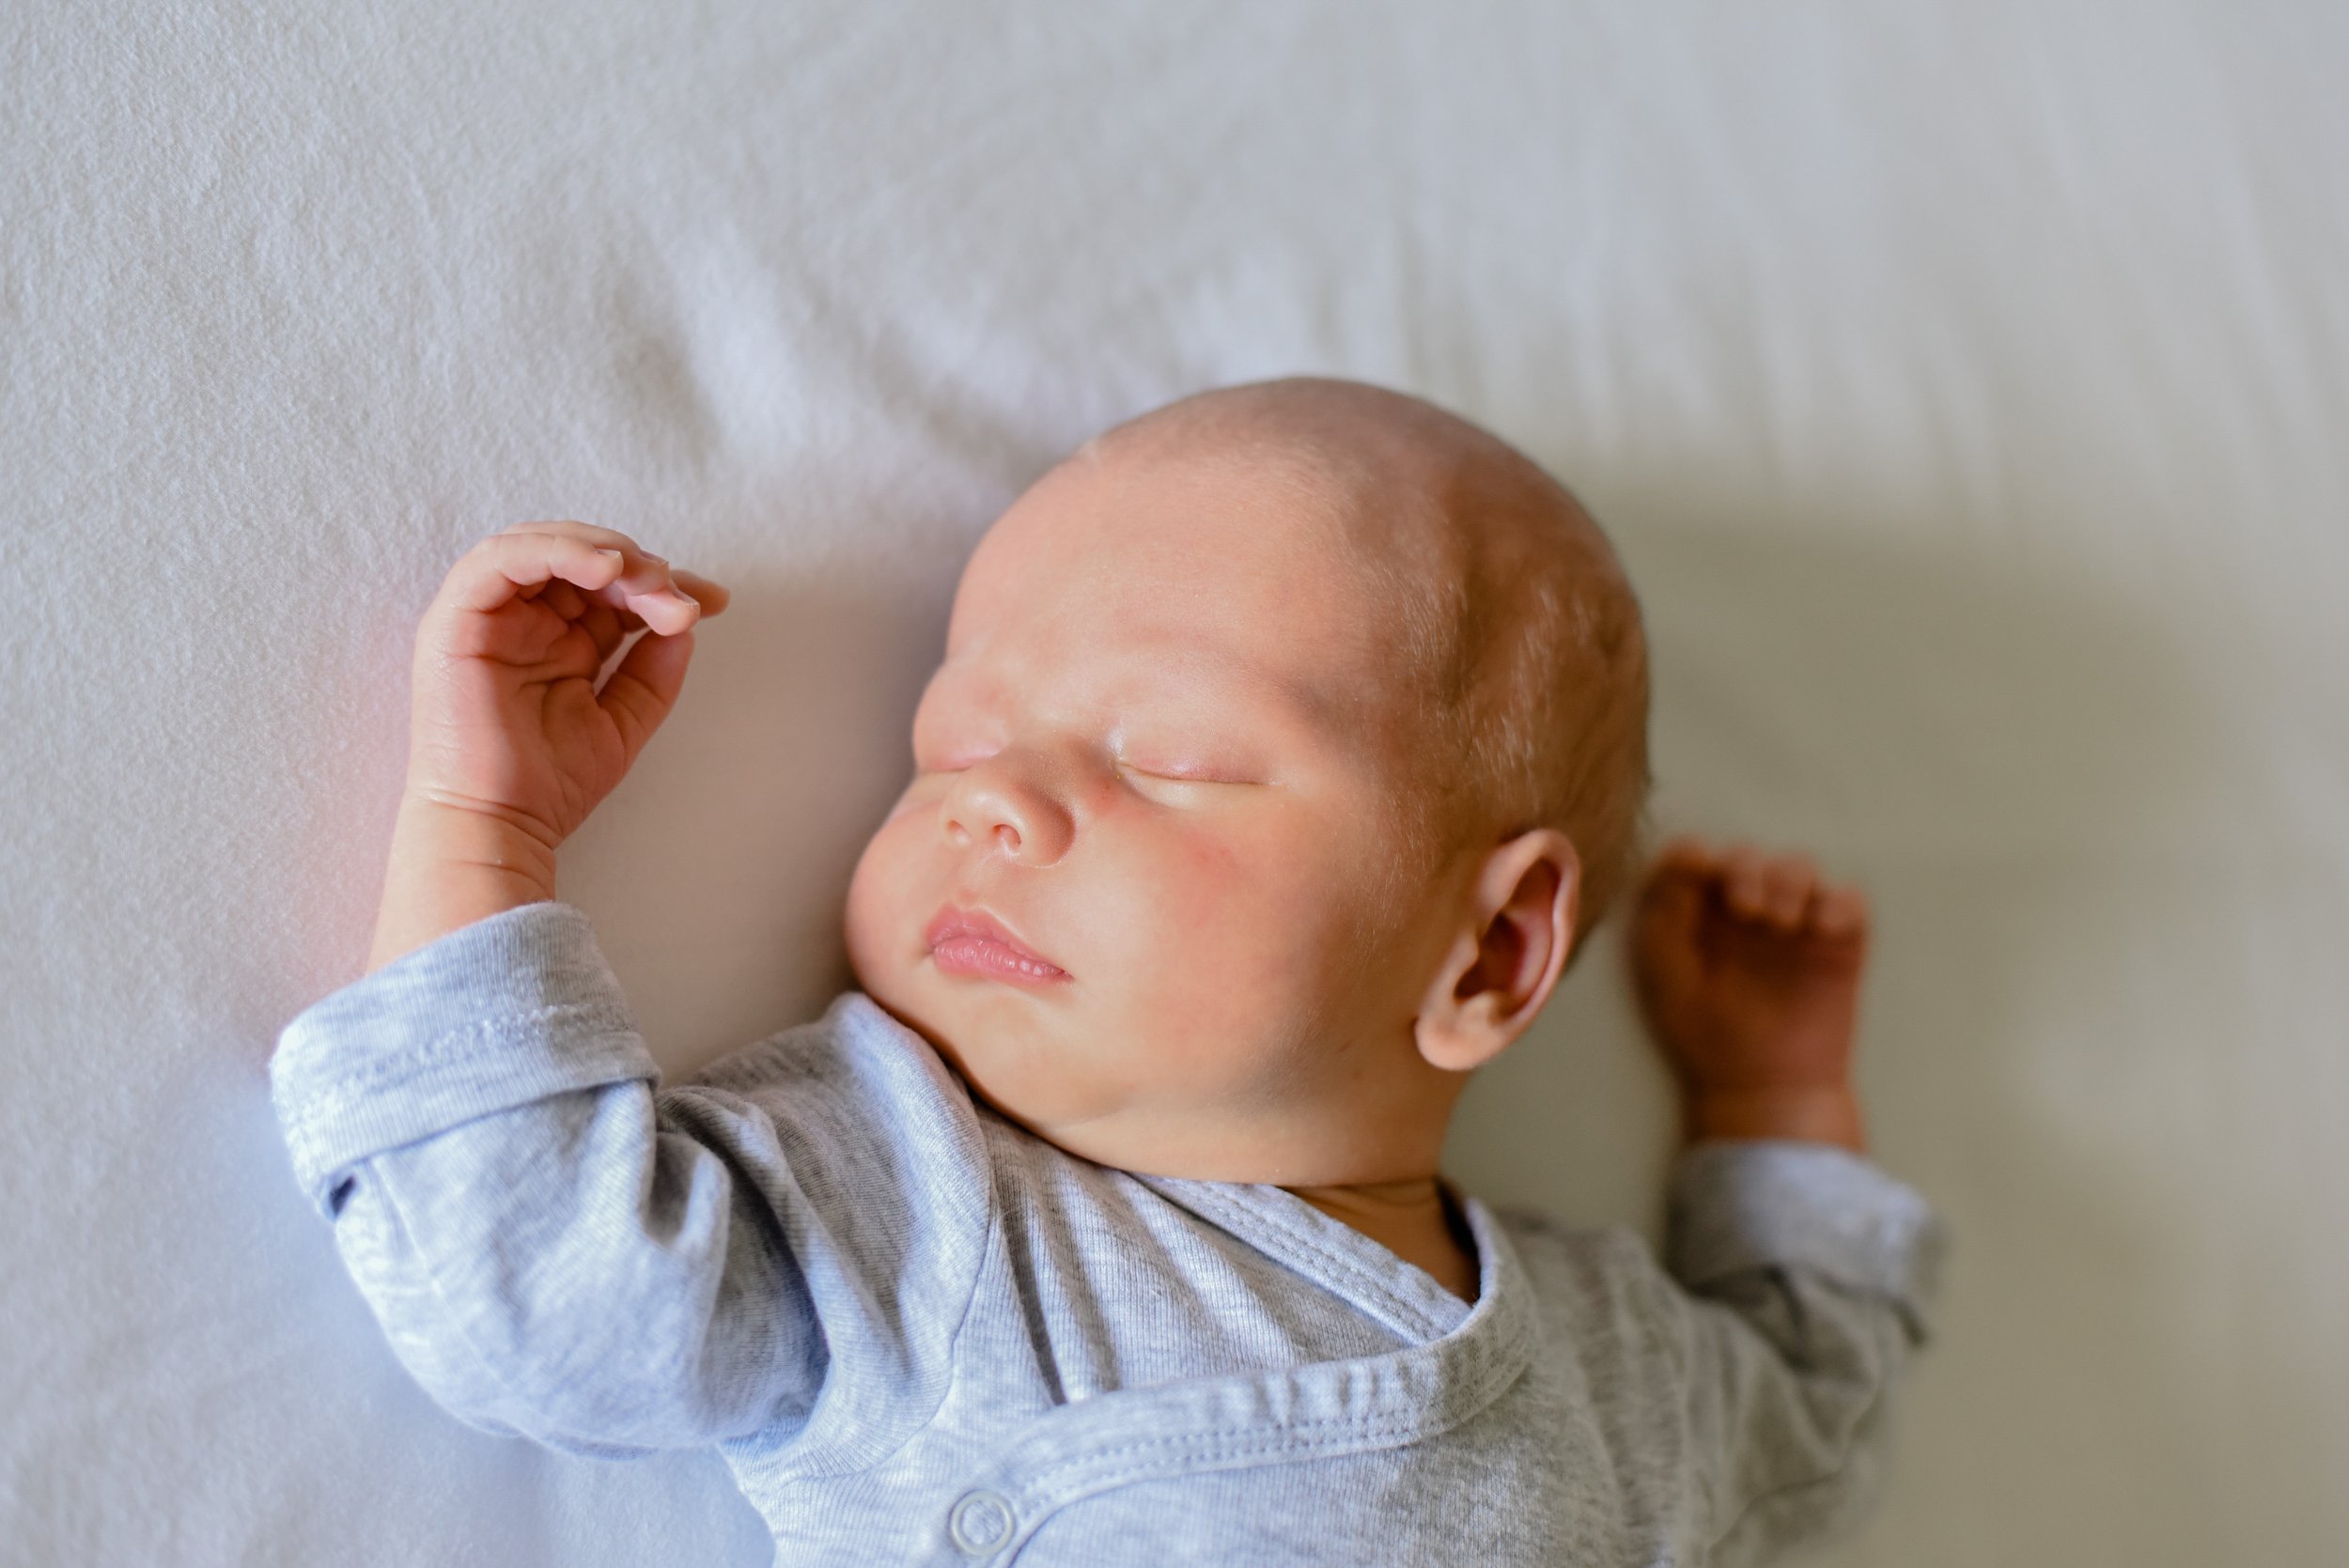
{"x": 973, "y": 943}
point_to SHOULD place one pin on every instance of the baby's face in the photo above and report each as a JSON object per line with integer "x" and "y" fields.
{"x": 1160, "y": 756}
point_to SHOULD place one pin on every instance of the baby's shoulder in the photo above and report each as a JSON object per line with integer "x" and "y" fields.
{"x": 856, "y": 1076}
{"x": 1578, "y": 1263}
{"x": 852, "y": 1125}
{"x": 855, "y": 1040}
{"x": 1529, "y": 1226}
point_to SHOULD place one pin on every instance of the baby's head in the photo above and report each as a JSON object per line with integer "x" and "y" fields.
{"x": 1299, "y": 729}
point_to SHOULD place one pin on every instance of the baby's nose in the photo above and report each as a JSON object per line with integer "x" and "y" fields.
{"x": 997, "y": 804}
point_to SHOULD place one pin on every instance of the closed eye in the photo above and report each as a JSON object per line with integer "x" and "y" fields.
{"x": 1180, "y": 775}
{"x": 1164, "y": 775}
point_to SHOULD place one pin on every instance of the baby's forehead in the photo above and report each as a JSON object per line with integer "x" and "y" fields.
{"x": 1302, "y": 497}
{"x": 1387, "y": 534}
{"x": 1357, "y": 471}
{"x": 1207, "y": 548}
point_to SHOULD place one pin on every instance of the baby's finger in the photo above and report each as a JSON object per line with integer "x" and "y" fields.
{"x": 647, "y": 589}
{"x": 1671, "y": 903}
{"x": 607, "y": 625}
{"x": 642, "y": 573}
{"x": 710, "y": 593}
{"x": 1786, "y": 884}
{"x": 1842, "y": 911}
{"x": 561, "y": 597}
{"x": 1665, "y": 952}
{"x": 493, "y": 571}
{"x": 667, "y": 609}
{"x": 1742, "y": 882}
{"x": 1683, "y": 862}
{"x": 643, "y": 689}
{"x": 602, "y": 538}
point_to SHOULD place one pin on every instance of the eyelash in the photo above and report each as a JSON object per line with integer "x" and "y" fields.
{"x": 1171, "y": 778}
{"x": 1124, "y": 767}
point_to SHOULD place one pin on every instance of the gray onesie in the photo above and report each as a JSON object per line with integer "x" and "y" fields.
{"x": 919, "y": 1334}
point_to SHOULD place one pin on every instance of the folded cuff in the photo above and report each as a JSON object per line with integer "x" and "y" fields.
{"x": 1738, "y": 1205}
{"x": 515, "y": 1007}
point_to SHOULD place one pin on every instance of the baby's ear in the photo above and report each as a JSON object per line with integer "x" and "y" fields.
{"x": 1516, "y": 930}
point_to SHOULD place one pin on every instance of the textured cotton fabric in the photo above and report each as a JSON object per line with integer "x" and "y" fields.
{"x": 919, "y": 1334}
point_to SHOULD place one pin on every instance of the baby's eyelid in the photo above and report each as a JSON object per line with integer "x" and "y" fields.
{"x": 1172, "y": 772}
{"x": 1200, "y": 776}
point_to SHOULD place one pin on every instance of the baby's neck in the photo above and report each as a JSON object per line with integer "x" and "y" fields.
{"x": 1411, "y": 1220}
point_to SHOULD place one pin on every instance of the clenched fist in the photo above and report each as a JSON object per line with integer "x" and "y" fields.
{"x": 1747, "y": 968}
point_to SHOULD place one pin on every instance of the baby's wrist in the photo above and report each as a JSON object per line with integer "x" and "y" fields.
{"x": 449, "y": 868}
{"x": 1817, "y": 1113}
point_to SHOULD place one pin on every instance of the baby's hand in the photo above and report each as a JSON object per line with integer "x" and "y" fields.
{"x": 1747, "y": 969}
{"x": 505, "y": 719}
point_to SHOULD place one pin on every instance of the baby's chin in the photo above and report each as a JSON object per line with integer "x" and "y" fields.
{"x": 991, "y": 1034}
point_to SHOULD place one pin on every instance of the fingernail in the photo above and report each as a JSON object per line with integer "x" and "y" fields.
{"x": 687, "y": 597}
{"x": 615, "y": 554}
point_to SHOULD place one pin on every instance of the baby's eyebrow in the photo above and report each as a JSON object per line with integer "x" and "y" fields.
{"x": 1160, "y": 669}
{"x": 1304, "y": 707}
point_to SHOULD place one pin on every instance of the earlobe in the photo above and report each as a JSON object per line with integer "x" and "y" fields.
{"x": 1503, "y": 965}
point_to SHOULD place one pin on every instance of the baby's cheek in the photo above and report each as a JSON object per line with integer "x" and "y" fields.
{"x": 874, "y": 917}
{"x": 1203, "y": 886}
{"x": 1234, "y": 936}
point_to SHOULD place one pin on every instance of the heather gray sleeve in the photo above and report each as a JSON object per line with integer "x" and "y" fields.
{"x": 1806, "y": 1277}
{"x": 557, "y": 1246}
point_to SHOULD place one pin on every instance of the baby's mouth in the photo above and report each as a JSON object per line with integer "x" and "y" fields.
{"x": 973, "y": 943}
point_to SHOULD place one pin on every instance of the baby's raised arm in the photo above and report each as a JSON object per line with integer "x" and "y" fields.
{"x": 1800, "y": 1275}
{"x": 556, "y": 1244}
{"x": 510, "y": 745}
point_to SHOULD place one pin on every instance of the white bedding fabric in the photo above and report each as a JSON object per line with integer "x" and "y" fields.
{"x": 1966, "y": 386}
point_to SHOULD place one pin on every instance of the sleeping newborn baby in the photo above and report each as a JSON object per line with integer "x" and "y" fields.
{"x": 1288, "y": 743}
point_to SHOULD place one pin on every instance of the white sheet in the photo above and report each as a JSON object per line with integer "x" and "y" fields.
{"x": 1965, "y": 385}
